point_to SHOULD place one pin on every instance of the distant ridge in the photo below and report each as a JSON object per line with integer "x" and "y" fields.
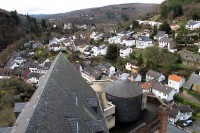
{"x": 105, "y": 14}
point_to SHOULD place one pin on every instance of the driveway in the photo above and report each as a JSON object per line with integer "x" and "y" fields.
{"x": 195, "y": 126}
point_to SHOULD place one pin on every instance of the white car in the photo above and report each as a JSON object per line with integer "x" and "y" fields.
{"x": 187, "y": 123}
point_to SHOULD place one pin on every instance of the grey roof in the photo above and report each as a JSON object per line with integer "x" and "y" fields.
{"x": 34, "y": 74}
{"x": 173, "y": 113}
{"x": 123, "y": 88}
{"x": 52, "y": 105}
{"x": 162, "y": 88}
{"x": 96, "y": 74}
{"x": 88, "y": 70}
{"x": 133, "y": 62}
{"x": 19, "y": 106}
{"x": 6, "y": 129}
{"x": 166, "y": 40}
{"x": 184, "y": 108}
{"x": 145, "y": 38}
{"x": 160, "y": 34}
{"x": 173, "y": 129}
{"x": 154, "y": 74}
{"x": 193, "y": 79}
{"x": 108, "y": 65}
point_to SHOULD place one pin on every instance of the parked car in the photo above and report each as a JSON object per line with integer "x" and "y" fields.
{"x": 187, "y": 123}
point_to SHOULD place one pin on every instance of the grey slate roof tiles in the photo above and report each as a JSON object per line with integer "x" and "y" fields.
{"x": 154, "y": 74}
{"x": 162, "y": 88}
{"x": 160, "y": 34}
{"x": 193, "y": 79}
{"x": 123, "y": 88}
{"x": 51, "y": 104}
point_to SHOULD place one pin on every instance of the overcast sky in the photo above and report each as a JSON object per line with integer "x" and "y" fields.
{"x": 60, "y": 6}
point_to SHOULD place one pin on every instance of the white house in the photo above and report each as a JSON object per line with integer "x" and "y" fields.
{"x": 144, "y": 42}
{"x": 114, "y": 40}
{"x": 179, "y": 113}
{"x": 18, "y": 61}
{"x": 101, "y": 50}
{"x": 176, "y": 82}
{"x": 154, "y": 75}
{"x": 34, "y": 77}
{"x": 132, "y": 66}
{"x": 174, "y": 115}
{"x": 110, "y": 67}
{"x": 125, "y": 51}
{"x": 185, "y": 112}
{"x": 192, "y": 25}
{"x": 55, "y": 47}
{"x": 163, "y": 92}
{"x": 166, "y": 42}
{"x": 160, "y": 35}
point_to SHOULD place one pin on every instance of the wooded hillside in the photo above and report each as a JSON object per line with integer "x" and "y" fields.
{"x": 189, "y": 9}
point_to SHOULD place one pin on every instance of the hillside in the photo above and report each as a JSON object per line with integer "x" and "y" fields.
{"x": 188, "y": 9}
{"x": 14, "y": 26}
{"x": 106, "y": 14}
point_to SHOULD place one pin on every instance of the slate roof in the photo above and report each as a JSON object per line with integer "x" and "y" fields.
{"x": 52, "y": 108}
{"x": 166, "y": 40}
{"x": 193, "y": 79}
{"x": 108, "y": 65}
{"x": 185, "y": 108}
{"x": 123, "y": 88}
{"x": 173, "y": 113}
{"x": 160, "y": 34}
{"x": 173, "y": 129}
{"x": 162, "y": 88}
{"x": 34, "y": 74}
{"x": 145, "y": 38}
{"x": 88, "y": 70}
{"x": 154, "y": 74}
{"x": 19, "y": 106}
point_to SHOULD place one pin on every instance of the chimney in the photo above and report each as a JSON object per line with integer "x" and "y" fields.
{"x": 163, "y": 114}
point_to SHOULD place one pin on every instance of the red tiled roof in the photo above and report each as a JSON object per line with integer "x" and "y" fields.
{"x": 175, "y": 78}
{"x": 146, "y": 85}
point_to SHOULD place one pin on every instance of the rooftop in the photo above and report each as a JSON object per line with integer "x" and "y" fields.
{"x": 63, "y": 102}
{"x": 175, "y": 78}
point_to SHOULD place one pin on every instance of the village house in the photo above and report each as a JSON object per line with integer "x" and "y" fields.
{"x": 18, "y": 61}
{"x": 163, "y": 92}
{"x": 128, "y": 41}
{"x": 144, "y": 42}
{"x": 34, "y": 78}
{"x": 6, "y": 73}
{"x": 114, "y": 40}
{"x": 125, "y": 51}
{"x": 55, "y": 47}
{"x": 91, "y": 74}
{"x": 179, "y": 113}
{"x": 176, "y": 82}
{"x": 192, "y": 25}
{"x": 193, "y": 83}
{"x": 166, "y": 42}
{"x": 147, "y": 86}
{"x": 132, "y": 66}
{"x": 160, "y": 35}
{"x": 101, "y": 50}
{"x": 154, "y": 75}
